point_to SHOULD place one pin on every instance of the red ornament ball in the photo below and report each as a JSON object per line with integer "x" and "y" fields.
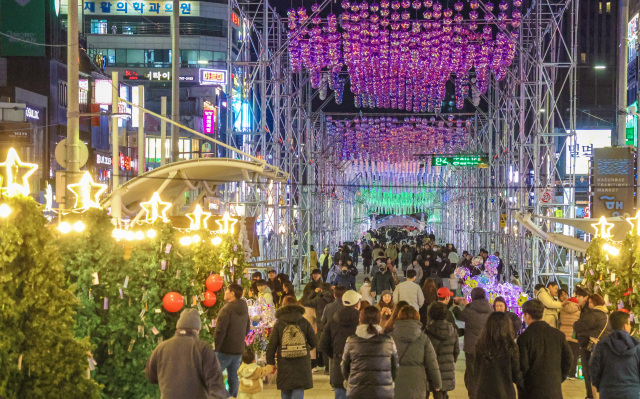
{"x": 173, "y": 302}
{"x": 214, "y": 283}
{"x": 209, "y": 299}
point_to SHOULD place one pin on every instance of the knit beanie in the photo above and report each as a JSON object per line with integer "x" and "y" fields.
{"x": 189, "y": 319}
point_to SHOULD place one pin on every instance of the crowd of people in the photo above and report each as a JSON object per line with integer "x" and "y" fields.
{"x": 398, "y": 335}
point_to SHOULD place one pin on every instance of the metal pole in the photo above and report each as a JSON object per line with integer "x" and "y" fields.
{"x": 622, "y": 73}
{"x": 116, "y": 204}
{"x": 163, "y": 131}
{"x": 141, "y": 142}
{"x": 73, "y": 107}
{"x": 175, "y": 80}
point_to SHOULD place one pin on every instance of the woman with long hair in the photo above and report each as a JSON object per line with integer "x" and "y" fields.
{"x": 497, "y": 362}
{"x": 370, "y": 360}
{"x": 430, "y": 292}
{"x": 419, "y": 372}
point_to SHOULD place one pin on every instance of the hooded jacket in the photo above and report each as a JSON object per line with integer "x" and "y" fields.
{"x": 232, "y": 327}
{"x": 475, "y": 317}
{"x": 551, "y": 307}
{"x": 369, "y": 364}
{"x": 591, "y": 324}
{"x": 342, "y": 325}
{"x": 186, "y": 367}
{"x": 251, "y": 376}
{"x": 418, "y": 372}
{"x": 293, "y": 373}
{"x": 569, "y": 314}
{"x": 444, "y": 338}
{"x": 615, "y": 366}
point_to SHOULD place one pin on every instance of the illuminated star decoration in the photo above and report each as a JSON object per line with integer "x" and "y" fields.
{"x": 603, "y": 228}
{"x": 87, "y": 192}
{"x": 48, "y": 196}
{"x": 152, "y": 207}
{"x": 225, "y": 220}
{"x": 198, "y": 218}
{"x": 14, "y": 171}
{"x": 635, "y": 223}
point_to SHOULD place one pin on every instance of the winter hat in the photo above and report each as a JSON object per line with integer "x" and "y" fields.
{"x": 351, "y": 298}
{"x": 574, "y": 300}
{"x": 385, "y": 292}
{"x": 477, "y": 293}
{"x": 189, "y": 319}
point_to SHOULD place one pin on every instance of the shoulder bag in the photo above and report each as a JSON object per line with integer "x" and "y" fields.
{"x": 594, "y": 341}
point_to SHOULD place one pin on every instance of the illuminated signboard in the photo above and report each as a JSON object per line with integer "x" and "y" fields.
{"x": 103, "y": 160}
{"x": 103, "y": 92}
{"x": 135, "y": 112}
{"x": 32, "y": 113}
{"x": 154, "y": 76}
{"x": 125, "y": 162}
{"x": 83, "y": 84}
{"x": 209, "y": 121}
{"x": 460, "y": 160}
{"x": 235, "y": 19}
{"x": 213, "y": 76}
{"x": 582, "y": 151}
{"x": 124, "y": 108}
{"x": 137, "y": 8}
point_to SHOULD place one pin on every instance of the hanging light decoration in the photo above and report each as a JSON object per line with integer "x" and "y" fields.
{"x": 395, "y": 61}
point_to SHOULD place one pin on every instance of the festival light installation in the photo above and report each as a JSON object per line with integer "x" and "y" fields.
{"x": 87, "y": 192}
{"x": 396, "y": 61}
{"x": 14, "y": 175}
{"x": 226, "y": 223}
{"x": 156, "y": 208}
{"x": 198, "y": 218}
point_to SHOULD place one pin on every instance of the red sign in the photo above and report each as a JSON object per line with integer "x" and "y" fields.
{"x": 131, "y": 75}
{"x": 235, "y": 19}
{"x": 209, "y": 121}
{"x": 125, "y": 162}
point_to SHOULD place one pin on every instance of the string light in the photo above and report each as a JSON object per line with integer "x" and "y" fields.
{"x": 139, "y": 235}
{"x": 64, "y": 227}
{"x": 151, "y": 233}
{"x": 185, "y": 241}
{"x": 5, "y": 211}
{"x": 635, "y": 224}
{"x": 610, "y": 249}
{"x": 78, "y": 226}
{"x": 13, "y": 173}
{"x": 216, "y": 240}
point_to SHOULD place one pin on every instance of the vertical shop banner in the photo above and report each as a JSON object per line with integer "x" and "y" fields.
{"x": 24, "y": 21}
{"x": 613, "y": 182}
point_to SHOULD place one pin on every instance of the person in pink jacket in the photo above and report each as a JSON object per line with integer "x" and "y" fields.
{"x": 569, "y": 314}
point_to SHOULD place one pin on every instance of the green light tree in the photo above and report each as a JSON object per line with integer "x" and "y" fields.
{"x": 40, "y": 357}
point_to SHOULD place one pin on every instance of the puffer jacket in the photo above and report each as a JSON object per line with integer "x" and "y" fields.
{"x": 418, "y": 373}
{"x": 293, "y": 373}
{"x": 444, "y": 338}
{"x": 475, "y": 317}
{"x": 591, "y": 324}
{"x": 551, "y": 307}
{"x": 569, "y": 314}
{"x": 340, "y": 327}
{"x": 369, "y": 364}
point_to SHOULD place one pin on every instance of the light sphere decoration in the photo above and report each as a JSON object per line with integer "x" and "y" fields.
{"x": 5, "y": 211}
{"x": 462, "y": 273}
{"x": 491, "y": 265}
{"x": 64, "y": 227}
{"x": 216, "y": 241}
{"x": 185, "y": 241}
{"x": 477, "y": 261}
{"x": 151, "y": 233}
{"x": 78, "y": 226}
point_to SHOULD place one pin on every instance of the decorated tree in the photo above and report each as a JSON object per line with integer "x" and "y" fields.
{"x": 40, "y": 357}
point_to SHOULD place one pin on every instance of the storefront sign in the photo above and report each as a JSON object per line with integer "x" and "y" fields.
{"x": 135, "y": 111}
{"x": 582, "y": 151}
{"x": 31, "y": 113}
{"x": 235, "y": 19}
{"x": 158, "y": 76}
{"x": 103, "y": 160}
{"x": 136, "y": 8}
{"x": 460, "y": 160}
{"x": 15, "y": 132}
{"x": 125, "y": 162}
{"x": 613, "y": 182}
{"x": 213, "y": 76}
{"x": 103, "y": 92}
{"x": 209, "y": 121}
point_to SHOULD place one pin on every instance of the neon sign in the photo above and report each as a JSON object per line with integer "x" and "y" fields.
{"x": 460, "y": 160}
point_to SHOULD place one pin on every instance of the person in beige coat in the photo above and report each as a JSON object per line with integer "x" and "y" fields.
{"x": 251, "y": 376}
{"x": 551, "y": 305}
{"x": 569, "y": 314}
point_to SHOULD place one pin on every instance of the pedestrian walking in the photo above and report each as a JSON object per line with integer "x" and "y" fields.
{"x": 551, "y": 305}
{"x": 592, "y": 326}
{"x": 444, "y": 296}
{"x": 342, "y": 325}
{"x": 475, "y": 315}
{"x": 356, "y": 253}
{"x": 545, "y": 355}
{"x": 569, "y": 314}
{"x": 382, "y": 281}
{"x": 333, "y": 307}
{"x": 415, "y": 265}
{"x": 185, "y": 366}
{"x": 318, "y": 300}
{"x": 405, "y": 259}
{"x": 365, "y": 290}
{"x": 418, "y": 373}
{"x": 615, "y": 361}
{"x": 500, "y": 305}
{"x": 385, "y": 306}
{"x": 367, "y": 257}
{"x": 232, "y": 327}
{"x": 370, "y": 360}
{"x": 430, "y": 293}
{"x": 409, "y": 291}
{"x": 251, "y": 376}
{"x": 444, "y": 338}
{"x": 345, "y": 279}
{"x": 497, "y": 361}
{"x": 324, "y": 263}
{"x": 292, "y": 338}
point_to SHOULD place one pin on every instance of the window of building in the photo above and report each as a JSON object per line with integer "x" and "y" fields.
{"x": 135, "y": 56}
{"x": 153, "y": 149}
{"x": 608, "y": 8}
{"x": 205, "y": 56}
{"x": 99, "y": 26}
{"x": 188, "y": 57}
{"x": 583, "y": 57}
{"x": 121, "y": 55}
{"x": 600, "y": 7}
{"x": 219, "y": 56}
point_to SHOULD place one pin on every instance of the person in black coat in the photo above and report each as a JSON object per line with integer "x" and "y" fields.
{"x": 444, "y": 338}
{"x": 356, "y": 253}
{"x": 294, "y": 374}
{"x": 367, "y": 257}
{"x": 500, "y": 305}
{"x": 497, "y": 361}
{"x": 382, "y": 281}
{"x": 545, "y": 355}
{"x": 339, "y": 328}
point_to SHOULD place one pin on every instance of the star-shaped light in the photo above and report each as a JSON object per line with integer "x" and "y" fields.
{"x": 48, "y": 196}
{"x": 635, "y": 223}
{"x": 87, "y": 192}
{"x": 603, "y": 228}
{"x": 198, "y": 218}
{"x": 15, "y": 175}
{"x": 224, "y": 223}
{"x": 152, "y": 207}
